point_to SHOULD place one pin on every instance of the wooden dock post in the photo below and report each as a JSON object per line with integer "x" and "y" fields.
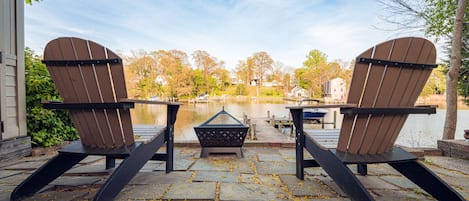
{"x": 253, "y": 131}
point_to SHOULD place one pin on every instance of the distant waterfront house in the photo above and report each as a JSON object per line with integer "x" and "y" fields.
{"x": 298, "y": 92}
{"x": 13, "y": 136}
{"x": 335, "y": 90}
{"x": 274, "y": 83}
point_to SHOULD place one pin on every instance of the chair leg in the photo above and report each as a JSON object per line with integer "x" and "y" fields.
{"x": 426, "y": 180}
{"x": 46, "y": 174}
{"x": 339, "y": 172}
{"x": 127, "y": 169}
{"x": 171, "y": 115}
{"x": 297, "y": 116}
{"x": 169, "y": 151}
{"x": 362, "y": 169}
{"x": 110, "y": 162}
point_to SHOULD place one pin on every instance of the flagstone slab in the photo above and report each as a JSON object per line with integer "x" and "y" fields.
{"x": 232, "y": 191}
{"x": 400, "y": 181}
{"x": 225, "y": 177}
{"x": 7, "y": 173}
{"x": 288, "y": 153}
{"x": 332, "y": 185}
{"x": 192, "y": 191}
{"x": 152, "y": 166}
{"x": 57, "y": 195}
{"x": 5, "y": 191}
{"x": 183, "y": 164}
{"x": 179, "y": 165}
{"x": 275, "y": 168}
{"x": 211, "y": 165}
{"x": 90, "y": 169}
{"x": 143, "y": 192}
{"x": 28, "y": 165}
{"x": 374, "y": 182}
{"x": 242, "y": 166}
{"x": 449, "y": 163}
{"x": 391, "y": 195}
{"x": 305, "y": 187}
{"x": 270, "y": 157}
{"x": 161, "y": 178}
{"x": 75, "y": 180}
{"x": 380, "y": 169}
{"x": 268, "y": 180}
{"x": 14, "y": 180}
{"x": 461, "y": 181}
{"x": 316, "y": 171}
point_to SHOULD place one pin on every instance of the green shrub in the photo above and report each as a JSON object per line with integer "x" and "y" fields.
{"x": 46, "y": 127}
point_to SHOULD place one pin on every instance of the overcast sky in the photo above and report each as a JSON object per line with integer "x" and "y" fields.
{"x": 228, "y": 30}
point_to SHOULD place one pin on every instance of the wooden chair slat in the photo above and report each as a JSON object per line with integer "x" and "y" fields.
{"x": 89, "y": 79}
{"x": 381, "y": 86}
{"x": 368, "y": 95}
{"x": 106, "y": 94}
{"x": 118, "y": 78}
{"x": 356, "y": 87}
{"x": 379, "y": 123}
{"x": 92, "y": 83}
{"x": 423, "y": 53}
{"x": 71, "y": 88}
{"x": 58, "y": 74}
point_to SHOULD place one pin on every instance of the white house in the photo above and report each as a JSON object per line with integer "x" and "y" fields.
{"x": 335, "y": 90}
{"x": 298, "y": 92}
{"x": 13, "y": 136}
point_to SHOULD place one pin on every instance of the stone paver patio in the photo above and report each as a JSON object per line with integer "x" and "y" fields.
{"x": 265, "y": 173}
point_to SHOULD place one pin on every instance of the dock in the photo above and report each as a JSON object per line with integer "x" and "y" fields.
{"x": 286, "y": 122}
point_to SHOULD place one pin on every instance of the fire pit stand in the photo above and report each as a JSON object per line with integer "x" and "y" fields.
{"x": 222, "y": 133}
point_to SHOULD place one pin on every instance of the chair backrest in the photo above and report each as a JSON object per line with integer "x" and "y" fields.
{"x": 380, "y": 85}
{"x": 86, "y": 72}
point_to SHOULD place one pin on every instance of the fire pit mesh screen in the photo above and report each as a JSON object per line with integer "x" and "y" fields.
{"x": 221, "y": 130}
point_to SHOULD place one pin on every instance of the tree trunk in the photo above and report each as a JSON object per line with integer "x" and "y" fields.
{"x": 453, "y": 73}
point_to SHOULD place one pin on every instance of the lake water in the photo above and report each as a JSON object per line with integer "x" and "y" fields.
{"x": 419, "y": 130}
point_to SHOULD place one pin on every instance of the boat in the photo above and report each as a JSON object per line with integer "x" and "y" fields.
{"x": 202, "y": 98}
{"x": 313, "y": 114}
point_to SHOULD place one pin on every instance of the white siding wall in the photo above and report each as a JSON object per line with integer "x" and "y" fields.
{"x": 12, "y": 89}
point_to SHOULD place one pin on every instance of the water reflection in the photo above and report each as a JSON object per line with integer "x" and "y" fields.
{"x": 418, "y": 131}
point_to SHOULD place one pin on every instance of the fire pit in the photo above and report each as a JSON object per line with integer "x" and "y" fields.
{"x": 222, "y": 133}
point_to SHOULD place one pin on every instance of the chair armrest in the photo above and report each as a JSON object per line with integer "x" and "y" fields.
{"x": 82, "y": 106}
{"x": 149, "y": 102}
{"x": 388, "y": 110}
{"x": 322, "y": 106}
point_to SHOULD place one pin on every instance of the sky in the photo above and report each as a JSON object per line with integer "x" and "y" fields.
{"x": 227, "y": 29}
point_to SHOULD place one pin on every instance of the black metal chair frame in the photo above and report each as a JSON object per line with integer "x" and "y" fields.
{"x": 335, "y": 162}
{"x": 134, "y": 156}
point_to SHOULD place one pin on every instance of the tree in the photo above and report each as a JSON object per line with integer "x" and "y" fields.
{"x": 177, "y": 72}
{"x": 314, "y": 58}
{"x": 142, "y": 76}
{"x": 441, "y": 19}
{"x": 314, "y": 73}
{"x": 453, "y": 73}
{"x": 30, "y": 2}
{"x": 206, "y": 64}
{"x": 245, "y": 71}
{"x": 262, "y": 63}
{"x": 436, "y": 83}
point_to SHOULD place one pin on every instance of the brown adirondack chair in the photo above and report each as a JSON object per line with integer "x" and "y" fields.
{"x": 90, "y": 80}
{"x": 386, "y": 82}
